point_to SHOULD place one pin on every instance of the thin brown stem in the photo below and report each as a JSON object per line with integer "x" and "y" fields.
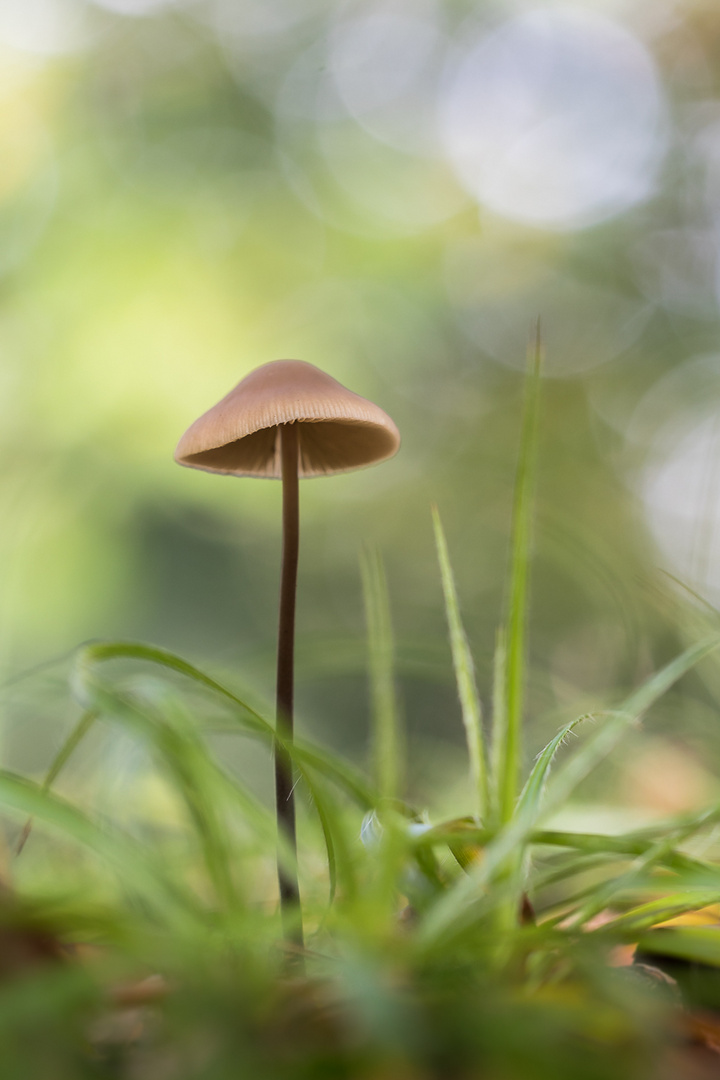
{"x": 284, "y": 797}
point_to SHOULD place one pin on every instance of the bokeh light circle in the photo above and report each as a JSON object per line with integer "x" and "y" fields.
{"x": 344, "y": 172}
{"x": 385, "y": 61}
{"x": 134, "y": 8}
{"x": 44, "y": 27}
{"x": 679, "y": 424}
{"x": 498, "y": 289}
{"x": 555, "y": 119}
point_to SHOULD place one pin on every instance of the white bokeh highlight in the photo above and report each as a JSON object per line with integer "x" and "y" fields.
{"x": 555, "y": 119}
{"x": 682, "y": 496}
{"x": 678, "y": 425}
{"x": 244, "y": 23}
{"x": 44, "y": 28}
{"x": 385, "y": 61}
{"x": 134, "y": 8}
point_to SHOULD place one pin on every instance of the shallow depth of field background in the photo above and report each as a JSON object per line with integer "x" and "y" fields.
{"x": 394, "y": 191}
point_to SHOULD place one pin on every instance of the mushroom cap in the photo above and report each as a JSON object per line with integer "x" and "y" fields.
{"x": 338, "y": 431}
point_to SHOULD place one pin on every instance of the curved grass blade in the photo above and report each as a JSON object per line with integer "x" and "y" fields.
{"x": 98, "y": 652}
{"x": 464, "y": 675}
{"x": 457, "y": 908}
{"x": 337, "y": 770}
{"x": 325, "y": 819}
{"x": 340, "y": 865}
{"x": 306, "y": 757}
{"x": 254, "y": 723}
{"x": 65, "y": 752}
{"x": 530, "y": 800}
{"x": 594, "y": 750}
{"x": 197, "y": 778}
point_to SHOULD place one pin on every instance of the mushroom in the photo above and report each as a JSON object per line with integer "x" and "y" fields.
{"x": 285, "y": 420}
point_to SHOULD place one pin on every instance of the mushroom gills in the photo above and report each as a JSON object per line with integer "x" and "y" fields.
{"x": 326, "y": 446}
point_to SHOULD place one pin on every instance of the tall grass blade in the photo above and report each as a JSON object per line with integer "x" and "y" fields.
{"x": 387, "y": 740}
{"x": 499, "y": 724}
{"x": 508, "y": 738}
{"x": 464, "y": 676}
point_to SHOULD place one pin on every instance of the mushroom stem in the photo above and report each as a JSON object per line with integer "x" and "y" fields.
{"x": 284, "y": 797}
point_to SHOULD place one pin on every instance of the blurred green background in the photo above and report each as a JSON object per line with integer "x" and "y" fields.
{"x": 393, "y": 191}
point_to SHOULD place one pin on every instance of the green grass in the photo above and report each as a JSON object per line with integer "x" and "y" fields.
{"x": 508, "y": 733}
{"x": 387, "y": 758}
{"x": 476, "y": 946}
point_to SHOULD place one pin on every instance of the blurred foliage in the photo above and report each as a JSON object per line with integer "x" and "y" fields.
{"x": 394, "y": 192}
{"x": 142, "y": 944}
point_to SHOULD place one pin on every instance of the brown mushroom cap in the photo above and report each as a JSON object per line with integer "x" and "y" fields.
{"x": 338, "y": 430}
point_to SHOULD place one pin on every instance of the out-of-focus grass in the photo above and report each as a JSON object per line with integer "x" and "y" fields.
{"x": 191, "y": 193}
{"x": 479, "y": 945}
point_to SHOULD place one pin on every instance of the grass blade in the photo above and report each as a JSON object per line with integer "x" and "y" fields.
{"x": 601, "y": 897}
{"x": 196, "y": 778}
{"x": 309, "y": 759}
{"x": 644, "y": 917}
{"x": 184, "y": 753}
{"x": 456, "y": 909}
{"x": 63, "y": 755}
{"x": 340, "y": 772}
{"x": 387, "y": 750}
{"x": 102, "y": 651}
{"x": 341, "y": 869}
{"x": 632, "y": 844}
{"x": 464, "y": 675}
{"x": 499, "y": 723}
{"x": 607, "y": 735}
{"x": 694, "y": 943}
{"x": 508, "y": 737}
{"x": 253, "y": 723}
{"x": 531, "y": 796}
